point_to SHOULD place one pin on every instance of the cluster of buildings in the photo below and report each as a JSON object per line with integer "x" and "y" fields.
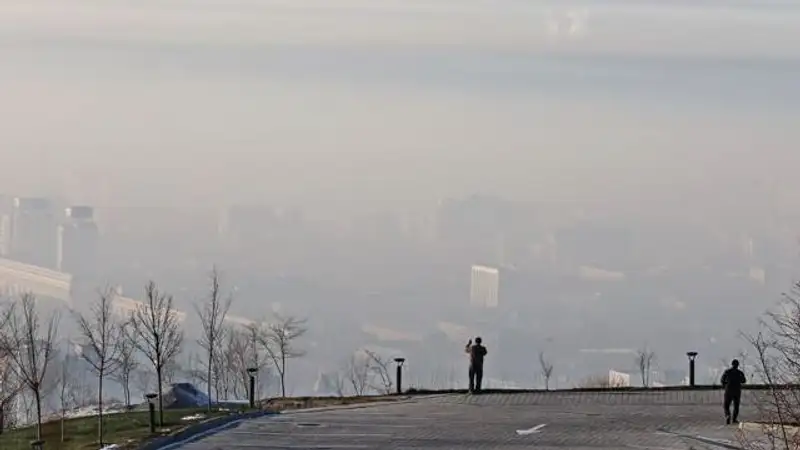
{"x": 45, "y": 233}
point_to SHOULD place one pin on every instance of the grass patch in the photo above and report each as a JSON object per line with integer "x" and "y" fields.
{"x": 124, "y": 429}
{"x": 129, "y": 430}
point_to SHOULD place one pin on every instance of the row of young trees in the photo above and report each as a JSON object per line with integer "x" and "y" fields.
{"x": 644, "y": 361}
{"x": 114, "y": 345}
{"x": 365, "y": 372}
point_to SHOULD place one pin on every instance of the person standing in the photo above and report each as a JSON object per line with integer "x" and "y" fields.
{"x": 732, "y": 380}
{"x": 476, "y": 352}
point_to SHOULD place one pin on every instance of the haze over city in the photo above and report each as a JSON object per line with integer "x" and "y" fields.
{"x": 627, "y": 167}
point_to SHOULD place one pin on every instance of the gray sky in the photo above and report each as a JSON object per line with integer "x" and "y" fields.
{"x": 397, "y": 102}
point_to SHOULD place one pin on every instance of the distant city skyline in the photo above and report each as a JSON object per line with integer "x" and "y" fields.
{"x": 629, "y": 167}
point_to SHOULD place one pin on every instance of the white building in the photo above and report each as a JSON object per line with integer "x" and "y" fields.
{"x": 484, "y": 287}
{"x": 618, "y": 379}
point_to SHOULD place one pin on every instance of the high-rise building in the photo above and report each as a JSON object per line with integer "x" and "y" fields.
{"x": 484, "y": 287}
{"x": 34, "y": 232}
{"x": 78, "y": 237}
{"x": 5, "y": 235}
{"x": 5, "y": 226}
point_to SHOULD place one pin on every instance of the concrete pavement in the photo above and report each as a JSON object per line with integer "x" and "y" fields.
{"x": 676, "y": 420}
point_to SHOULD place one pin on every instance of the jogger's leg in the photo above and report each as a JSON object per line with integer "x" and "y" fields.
{"x": 727, "y": 407}
{"x": 471, "y": 379}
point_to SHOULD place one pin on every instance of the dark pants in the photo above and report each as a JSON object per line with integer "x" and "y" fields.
{"x": 475, "y": 378}
{"x": 735, "y": 398}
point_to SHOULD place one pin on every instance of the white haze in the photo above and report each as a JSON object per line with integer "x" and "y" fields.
{"x": 381, "y": 103}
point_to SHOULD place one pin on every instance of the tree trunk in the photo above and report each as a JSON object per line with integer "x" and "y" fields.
{"x": 210, "y": 361}
{"x": 2, "y": 417}
{"x": 38, "y": 397}
{"x": 100, "y": 409}
{"x": 283, "y": 374}
{"x": 126, "y": 390}
{"x": 160, "y": 397}
{"x": 62, "y": 425}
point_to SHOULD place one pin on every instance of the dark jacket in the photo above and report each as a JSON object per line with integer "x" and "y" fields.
{"x": 476, "y": 354}
{"x": 732, "y": 380}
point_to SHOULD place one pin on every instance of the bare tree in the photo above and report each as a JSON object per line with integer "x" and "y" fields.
{"x": 212, "y": 317}
{"x": 143, "y": 380}
{"x": 357, "y": 371}
{"x": 157, "y": 335}
{"x": 10, "y": 387}
{"x": 10, "y": 384}
{"x": 258, "y": 360}
{"x": 30, "y": 345}
{"x": 171, "y": 370}
{"x": 193, "y": 371}
{"x": 777, "y": 364}
{"x": 380, "y": 369}
{"x": 66, "y": 391}
{"x": 547, "y": 369}
{"x": 241, "y": 353}
{"x": 234, "y": 380}
{"x": 278, "y": 340}
{"x": 644, "y": 360}
{"x": 338, "y": 383}
{"x": 126, "y": 362}
{"x": 101, "y": 335}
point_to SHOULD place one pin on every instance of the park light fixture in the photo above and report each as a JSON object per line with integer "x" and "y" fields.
{"x": 399, "y": 375}
{"x": 692, "y": 356}
{"x": 251, "y": 371}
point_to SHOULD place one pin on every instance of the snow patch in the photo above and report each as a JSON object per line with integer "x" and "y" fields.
{"x": 193, "y": 417}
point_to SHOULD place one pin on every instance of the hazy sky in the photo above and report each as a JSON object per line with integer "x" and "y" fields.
{"x": 165, "y": 101}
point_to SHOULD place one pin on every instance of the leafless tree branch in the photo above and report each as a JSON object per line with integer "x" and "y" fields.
{"x": 29, "y": 345}
{"x": 157, "y": 335}
{"x": 381, "y": 370}
{"x": 357, "y": 371}
{"x": 212, "y": 317}
{"x": 126, "y": 362}
{"x": 101, "y": 336}
{"x": 66, "y": 391}
{"x": 279, "y": 342}
{"x": 546, "y": 367}
{"x": 644, "y": 360}
{"x": 777, "y": 363}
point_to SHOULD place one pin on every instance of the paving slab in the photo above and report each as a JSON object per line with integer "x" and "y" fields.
{"x": 677, "y": 420}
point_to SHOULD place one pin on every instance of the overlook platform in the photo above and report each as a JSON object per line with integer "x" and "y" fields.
{"x": 658, "y": 420}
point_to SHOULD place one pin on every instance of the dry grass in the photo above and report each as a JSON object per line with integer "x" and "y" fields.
{"x": 124, "y": 429}
{"x": 130, "y": 429}
{"x": 294, "y": 403}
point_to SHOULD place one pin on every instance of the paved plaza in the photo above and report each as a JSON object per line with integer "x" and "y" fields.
{"x": 677, "y": 420}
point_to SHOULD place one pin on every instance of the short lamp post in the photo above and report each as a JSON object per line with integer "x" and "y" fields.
{"x": 692, "y": 356}
{"x": 151, "y": 407}
{"x": 399, "y": 362}
{"x": 251, "y": 372}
